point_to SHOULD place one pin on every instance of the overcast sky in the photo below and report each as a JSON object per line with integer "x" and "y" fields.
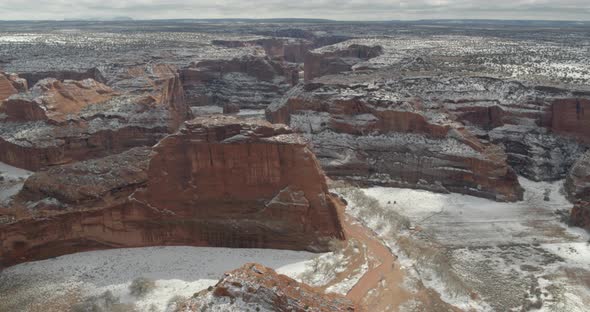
{"x": 329, "y": 9}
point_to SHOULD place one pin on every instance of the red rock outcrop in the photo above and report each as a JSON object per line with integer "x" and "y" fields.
{"x": 569, "y": 117}
{"x": 11, "y": 84}
{"x": 255, "y": 287}
{"x": 217, "y": 182}
{"x": 336, "y": 60}
{"x": 370, "y": 140}
{"x": 55, "y": 101}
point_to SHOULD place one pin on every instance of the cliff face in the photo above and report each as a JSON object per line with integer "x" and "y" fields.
{"x": 53, "y": 100}
{"x": 11, "y": 84}
{"x": 217, "y": 182}
{"x": 372, "y": 141}
{"x": 577, "y": 187}
{"x": 571, "y": 117}
{"x": 60, "y": 122}
{"x": 250, "y": 82}
{"x": 255, "y": 287}
{"x": 323, "y": 62}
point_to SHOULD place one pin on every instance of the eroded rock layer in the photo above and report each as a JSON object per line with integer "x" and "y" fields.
{"x": 250, "y": 82}
{"x": 217, "y": 182}
{"x": 364, "y": 136}
{"x": 60, "y": 122}
{"x": 577, "y": 187}
{"x": 258, "y": 288}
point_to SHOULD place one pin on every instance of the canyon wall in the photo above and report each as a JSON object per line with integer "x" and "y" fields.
{"x": 217, "y": 182}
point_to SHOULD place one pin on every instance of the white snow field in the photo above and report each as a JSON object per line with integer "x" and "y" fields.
{"x": 177, "y": 271}
{"x": 507, "y": 256}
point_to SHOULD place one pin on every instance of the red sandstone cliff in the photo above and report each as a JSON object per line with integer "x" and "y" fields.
{"x": 217, "y": 182}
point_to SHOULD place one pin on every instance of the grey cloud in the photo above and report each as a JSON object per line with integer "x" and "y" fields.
{"x": 330, "y": 9}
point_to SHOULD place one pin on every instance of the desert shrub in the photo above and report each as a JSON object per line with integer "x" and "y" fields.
{"x": 336, "y": 245}
{"x": 175, "y": 303}
{"x": 388, "y": 223}
{"x": 106, "y": 302}
{"x": 141, "y": 286}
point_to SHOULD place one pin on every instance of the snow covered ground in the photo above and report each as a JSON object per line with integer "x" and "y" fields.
{"x": 509, "y": 256}
{"x": 177, "y": 271}
{"x": 11, "y": 181}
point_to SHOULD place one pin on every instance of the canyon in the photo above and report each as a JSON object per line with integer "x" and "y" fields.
{"x": 266, "y": 136}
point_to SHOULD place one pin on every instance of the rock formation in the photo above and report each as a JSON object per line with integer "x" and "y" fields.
{"x": 55, "y": 101}
{"x": 11, "y": 84}
{"x": 577, "y": 187}
{"x": 218, "y": 181}
{"x": 60, "y": 122}
{"x": 250, "y": 82}
{"x": 258, "y": 288}
{"x": 63, "y": 74}
{"x": 337, "y": 59}
{"x": 365, "y": 137}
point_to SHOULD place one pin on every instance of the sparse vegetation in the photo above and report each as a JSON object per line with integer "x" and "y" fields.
{"x": 106, "y": 302}
{"x": 141, "y": 286}
{"x": 430, "y": 258}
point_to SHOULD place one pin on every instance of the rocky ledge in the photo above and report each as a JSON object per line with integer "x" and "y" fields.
{"x": 60, "y": 122}
{"x": 218, "y": 181}
{"x": 362, "y": 134}
{"x": 254, "y": 287}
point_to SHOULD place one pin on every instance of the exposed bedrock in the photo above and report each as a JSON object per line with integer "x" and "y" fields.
{"x": 11, "y": 84}
{"x": 250, "y": 82}
{"x": 331, "y": 60}
{"x": 283, "y": 49}
{"x": 577, "y": 187}
{"x": 261, "y": 288}
{"x": 398, "y": 143}
{"x": 218, "y": 181}
{"x": 60, "y": 122}
{"x": 33, "y": 77}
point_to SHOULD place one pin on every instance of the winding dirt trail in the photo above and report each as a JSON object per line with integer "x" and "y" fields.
{"x": 381, "y": 287}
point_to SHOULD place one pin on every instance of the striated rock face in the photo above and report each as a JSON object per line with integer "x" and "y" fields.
{"x": 284, "y": 49}
{"x": 217, "y": 182}
{"x": 580, "y": 215}
{"x": 97, "y": 181}
{"x": 93, "y": 73}
{"x": 254, "y": 287}
{"x": 577, "y": 188}
{"x": 11, "y": 84}
{"x": 572, "y": 117}
{"x": 371, "y": 139}
{"x": 331, "y": 60}
{"x": 53, "y": 100}
{"x": 250, "y": 82}
{"x": 60, "y": 122}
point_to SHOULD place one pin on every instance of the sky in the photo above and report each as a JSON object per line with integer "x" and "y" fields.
{"x": 327, "y": 9}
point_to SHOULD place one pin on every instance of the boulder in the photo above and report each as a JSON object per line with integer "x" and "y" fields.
{"x": 258, "y": 288}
